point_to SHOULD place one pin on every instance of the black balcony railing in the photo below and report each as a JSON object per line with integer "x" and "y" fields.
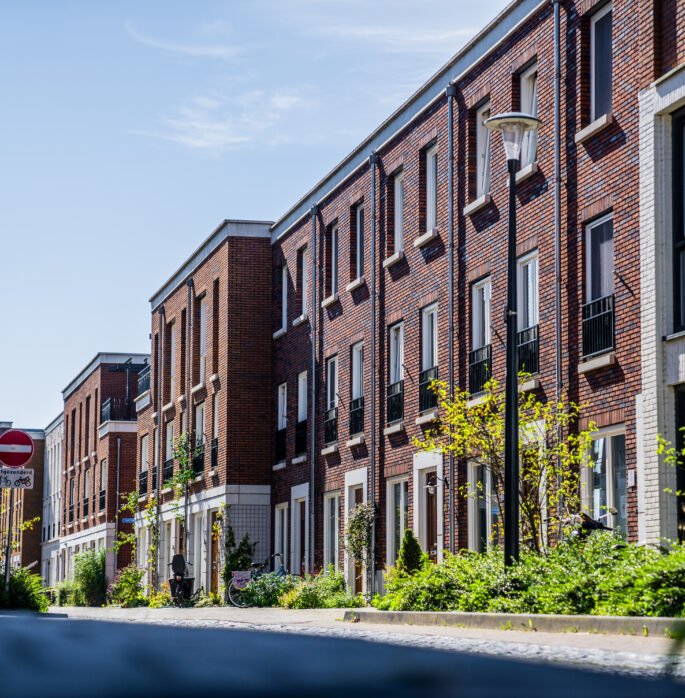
{"x": 71, "y": 513}
{"x": 154, "y": 478}
{"x": 144, "y": 380}
{"x": 118, "y": 409}
{"x": 142, "y": 483}
{"x": 78, "y": 510}
{"x": 529, "y": 350}
{"x": 103, "y": 495}
{"x": 215, "y": 453}
{"x": 301, "y": 438}
{"x": 357, "y": 416}
{"x": 279, "y": 445}
{"x": 428, "y": 400}
{"x": 598, "y": 326}
{"x": 480, "y": 368}
{"x": 167, "y": 470}
{"x": 85, "y": 506}
{"x": 199, "y": 459}
{"x": 395, "y": 402}
{"x": 330, "y": 425}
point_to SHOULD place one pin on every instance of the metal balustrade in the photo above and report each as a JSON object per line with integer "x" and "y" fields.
{"x": 330, "y": 425}
{"x": 528, "y": 347}
{"x": 214, "y": 453}
{"x": 142, "y": 483}
{"x": 480, "y": 368}
{"x": 102, "y": 499}
{"x": 144, "y": 380}
{"x": 395, "y": 402}
{"x": 118, "y": 410}
{"x": 428, "y": 400}
{"x": 280, "y": 445}
{"x": 167, "y": 470}
{"x": 301, "y": 438}
{"x": 85, "y": 506}
{"x": 598, "y": 326}
{"x": 357, "y": 416}
{"x": 199, "y": 460}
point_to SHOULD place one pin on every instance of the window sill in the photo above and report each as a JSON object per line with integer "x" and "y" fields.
{"x": 180, "y": 399}
{"x": 478, "y": 204}
{"x": 279, "y": 333}
{"x": 279, "y": 466}
{"x": 214, "y": 378}
{"x": 354, "y": 285}
{"x": 142, "y": 497}
{"x": 476, "y": 400}
{"x": 393, "y": 259}
{"x": 529, "y": 385}
{"x": 299, "y": 459}
{"x": 427, "y": 417}
{"x": 333, "y": 448}
{"x": 597, "y": 362}
{"x": 299, "y": 320}
{"x": 143, "y": 400}
{"x": 355, "y": 441}
{"x": 595, "y": 127}
{"x": 395, "y": 428}
{"x": 197, "y": 388}
{"x": 166, "y": 489}
{"x": 427, "y": 237}
{"x": 212, "y": 472}
{"x": 168, "y": 406}
{"x": 526, "y": 173}
{"x": 84, "y": 461}
{"x": 674, "y": 336}
{"x": 329, "y": 301}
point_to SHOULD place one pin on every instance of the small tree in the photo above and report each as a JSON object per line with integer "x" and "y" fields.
{"x": 89, "y": 577}
{"x": 238, "y": 557}
{"x": 409, "y": 557}
{"x": 358, "y": 534}
{"x": 551, "y": 453}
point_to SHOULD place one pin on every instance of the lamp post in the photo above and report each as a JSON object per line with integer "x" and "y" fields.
{"x": 513, "y": 127}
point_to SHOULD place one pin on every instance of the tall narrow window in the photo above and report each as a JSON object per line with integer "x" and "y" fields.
{"x": 396, "y": 353}
{"x": 484, "y": 525}
{"x": 215, "y": 415}
{"x": 480, "y": 321}
{"x": 203, "y": 338}
{"x": 482, "y": 151}
{"x": 302, "y": 397}
{"x": 359, "y": 241}
{"x": 284, "y": 296}
{"x": 200, "y": 424}
{"x": 281, "y": 536}
{"x": 431, "y": 166}
{"x": 332, "y": 382}
{"x": 215, "y": 326}
{"x": 282, "y": 405}
{"x": 88, "y": 425}
{"x": 529, "y": 105}
{"x": 169, "y": 441}
{"x": 333, "y": 260}
{"x": 398, "y": 212}
{"x": 528, "y": 291}
{"x": 429, "y": 337}
{"x": 608, "y": 481}
{"x": 172, "y": 361}
{"x": 600, "y": 259}
{"x": 398, "y": 516}
{"x": 331, "y": 544}
{"x": 144, "y": 454}
{"x": 600, "y": 63}
{"x": 679, "y": 222}
{"x": 103, "y": 475}
{"x": 86, "y": 485}
{"x": 358, "y": 370}
{"x": 304, "y": 286}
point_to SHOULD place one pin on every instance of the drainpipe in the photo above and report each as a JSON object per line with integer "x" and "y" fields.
{"x": 373, "y": 161}
{"x": 312, "y": 429}
{"x": 160, "y": 462}
{"x": 116, "y": 508}
{"x": 451, "y": 92}
{"x": 189, "y": 285}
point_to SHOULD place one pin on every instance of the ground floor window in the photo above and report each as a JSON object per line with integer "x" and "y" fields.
{"x": 398, "y": 515}
{"x": 281, "y": 536}
{"x": 483, "y": 509}
{"x": 331, "y": 543}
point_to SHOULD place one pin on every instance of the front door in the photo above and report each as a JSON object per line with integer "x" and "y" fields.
{"x": 358, "y": 570}
{"x": 214, "y": 571}
{"x": 432, "y": 517}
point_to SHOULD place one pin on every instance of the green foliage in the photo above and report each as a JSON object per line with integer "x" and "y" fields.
{"x": 161, "y": 598}
{"x": 126, "y": 588}
{"x": 66, "y": 593}
{"x": 602, "y": 576}
{"x": 89, "y": 577}
{"x": 267, "y": 589}
{"x": 324, "y": 590}
{"x": 207, "y": 600}
{"x": 26, "y": 591}
{"x": 237, "y": 557}
{"x": 409, "y": 559}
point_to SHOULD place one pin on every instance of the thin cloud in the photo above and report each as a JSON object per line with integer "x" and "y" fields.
{"x": 185, "y": 49}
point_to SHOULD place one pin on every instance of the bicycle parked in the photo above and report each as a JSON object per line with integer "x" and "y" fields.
{"x": 242, "y": 578}
{"x": 180, "y": 586}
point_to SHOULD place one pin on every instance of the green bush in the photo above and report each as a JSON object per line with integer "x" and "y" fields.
{"x": 126, "y": 588}
{"x": 89, "y": 577}
{"x": 324, "y": 590}
{"x": 237, "y": 557}
{"x": 410, "y": 554}
{"x": 602, "y": 576}
{"x": 26, "y": 591}
{"x": 267, "y": 589}
{"x": 64, "y": 593}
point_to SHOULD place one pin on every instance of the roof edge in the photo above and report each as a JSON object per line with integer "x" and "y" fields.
{"x": 102, "y": 357}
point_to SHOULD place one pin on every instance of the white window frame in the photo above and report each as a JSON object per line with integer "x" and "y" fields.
{"x": 334, "y": 259}
{"x": 588, "y": 255}
{"x": 169, "y": 440}
{"x": 331, "y": 556}
{"x": 299, "y": 494}
{"x": 282, "y": 406}
{"x": 284, "y": 296}
{"x": 103, "y": 475}
{"x": 482, "y": 151}
{"x": 359, "y": 240}
{"x": 529, "y": 105}
{"x": 215, "y": 416}
{"x": 144, "y": 454}
{"x": 86, "y": 484}
{"x": 302, "y": 396}
{"x": 172, "y": 361}
{"x": 398, "y": 208}
{"x": 281, "y": 534}
{"x": 429, "y": 337}
{"x": 203, "y": 338}
{"x": 431, "y": 164}
{"x": 354, "y": 479}
{"x": 392, "y": 547}
{"x": 527, "y": 272}
{"x": 426, "y": 464}
{"x": 491, "y": 500}
{"x": 332, "y": 382}
{"x": 480, "y": 315}
{"x": 357, "y": 370}
{"x": 396, "y": 363}
{"x": 593, "y": 23}
{"x": 199, "y": 424}
{"x": 305, "y": 280}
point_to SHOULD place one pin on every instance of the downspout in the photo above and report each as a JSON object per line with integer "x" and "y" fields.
{"x": 312, "y": 429}
{"x": 451, "y": 92}
{"x": 373, "y": 161}
{"x": 189, "y": 285}
{"x": 160, "y": 462}
{"x": 116, "y": 509}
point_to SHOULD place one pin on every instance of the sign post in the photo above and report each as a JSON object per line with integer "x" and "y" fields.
{"x": 16, "y": 450}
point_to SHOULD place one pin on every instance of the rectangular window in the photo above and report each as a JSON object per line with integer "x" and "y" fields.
{"x": 72, "y": 490}
{"x": 600, "y": 259}
{"x": 358, "y": 241}
{"x": 200, "y": 424}
{"x": 304, "y": 286}
{"x": 203, "y": 338}
{"x": 485, "y": 526}
{"x": 155, "y": 447}
{"x": 396, "y": 353}
{"x": 429, "y": 337}
{"x": 86, "y": 485}
{"x": 215, "y": 327}
{"x": 103, "y": 475}
{"x": 600, "y": 63}
{"x": 169, "y": 441}
{"x": 431, "y": 166}
{"x": 607, "y": 486}
{"x": 398, "y": 212}
{"x": 480, "y": 319}
{"x": 302, "y": 397}
{"x": 528, "y": 291}
{"x": 284, "y": 296}
{"x": 333, "y": 260}
{"x": 332, "y": 382}
{"x": 281, "y": 536}
{"x": 331, "y": 543}
{"x": 144, "y": 454}
{"x": 172, "y": 361}
{"x": 679, "y": 221}
{"x": 357, "y": 370}
{"x": 529, "y": 105}
{"x": 482, "y": 151}
{"x": 398, "y": 516}
{"x": 282, "y": 405}
{"x": 88, "y": 425}
{"x": 215, "y": 415}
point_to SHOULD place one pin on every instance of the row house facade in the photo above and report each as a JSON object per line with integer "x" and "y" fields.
{"x": 98, "y": 457}
{"x": 52, "y": 501}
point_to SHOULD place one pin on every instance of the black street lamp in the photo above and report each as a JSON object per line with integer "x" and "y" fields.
{"x": 513, "y": 127}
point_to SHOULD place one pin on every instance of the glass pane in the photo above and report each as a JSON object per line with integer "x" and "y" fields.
{"x": 482, "y": 514}
{"x": 495, "y": 525}
{"x": 397, "y": 518}
{"x": 601, "y": 260}
{"x": 599, "y": 479}
{"x": 618, "y": 460}
{"x": 602, "y": 66}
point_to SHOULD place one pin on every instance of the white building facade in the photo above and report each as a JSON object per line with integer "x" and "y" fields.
{"x": 51, "y": 567}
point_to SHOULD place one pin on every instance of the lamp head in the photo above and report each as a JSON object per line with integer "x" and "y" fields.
{"x": 513, "y": 126}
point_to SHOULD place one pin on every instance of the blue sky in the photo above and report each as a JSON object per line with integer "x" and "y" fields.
{"x": 128, "y": 130}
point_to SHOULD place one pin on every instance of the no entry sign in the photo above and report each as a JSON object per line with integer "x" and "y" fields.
{"x": 16, "y": 448}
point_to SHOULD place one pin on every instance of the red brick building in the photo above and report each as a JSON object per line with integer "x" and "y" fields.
{"x": 98, "y": 456}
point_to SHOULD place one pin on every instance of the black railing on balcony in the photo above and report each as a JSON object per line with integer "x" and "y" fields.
{"x": 301, "y": 438}
{"x": 167, "y": 470}
{"x": 78, "y": 510}
{"x": 428, "y": 400}
{"x": 85, "y": 506}
{"x": 598, "y": 326}
{"x": 480, "y": 368}
{"x": 395, "y": 402}
{"x": 529, "y": 350}
{"x": 142, "y": 483}
{"x": 144, "y": 380}
{"x": 103, "y": 495}
{"x": 71, "y": 513}
{"x": 215, "y": 453}
{"x": 118, "y": 409}
{"x": 199, "y": 460}
{"x": 330, "y": 425}
{"x": 279, "y": 445}
{"x": 154, "y": 478}
{"x": 357, "y": 416}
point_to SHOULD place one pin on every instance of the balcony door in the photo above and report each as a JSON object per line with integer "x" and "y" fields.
{"x": 599, "y": 259}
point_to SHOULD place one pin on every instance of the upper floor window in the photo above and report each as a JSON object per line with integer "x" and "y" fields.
{"x": 600, "y": 63}
{"x": 482, "y": 151}
{"x": 396, "y": 352}
{"x": 398, "y": 212}
{"x": 304, "y": 283}
{"x": 679, "y": 220}
{"x": 528, "y": 291}
{"x": 203, "y": 338}
{"x": 284, "y": 296}
{"x": 429, "y": 337}
{"x": 431, "y": 166}
{"x": 332, "y": 382}
{"x": 599, "y": 250}
{"x": 172, "y": 360}
{"x": 200, "y": 424}
{"x": 357, "y": 370}
{"x": 215, "y": 415}
{"x": 529, "y": 105}
{"x": 480, "y": 314}
{"x": 169, "y": 441}
{"x": 282, "y": 405}
{"x": 332, "y": 260}
{"x": 144, "y": 454}
{"x": 302, "y": 397}
{"x": 86, "y": 484}
{"x": 72, "y": 490}
{"x": 103, "y": 475}
{"x": 358, "y": 242}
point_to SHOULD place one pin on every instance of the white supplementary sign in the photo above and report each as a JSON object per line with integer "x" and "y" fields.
{"x": 17, "y": 478}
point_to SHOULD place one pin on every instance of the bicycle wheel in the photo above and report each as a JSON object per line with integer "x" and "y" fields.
{"x": 235, "y": 596}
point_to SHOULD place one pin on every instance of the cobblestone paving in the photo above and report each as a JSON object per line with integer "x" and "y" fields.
{"x": 617, "y": 662}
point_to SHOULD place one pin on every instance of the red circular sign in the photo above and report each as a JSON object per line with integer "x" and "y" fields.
{"x": 16, "y": 448}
